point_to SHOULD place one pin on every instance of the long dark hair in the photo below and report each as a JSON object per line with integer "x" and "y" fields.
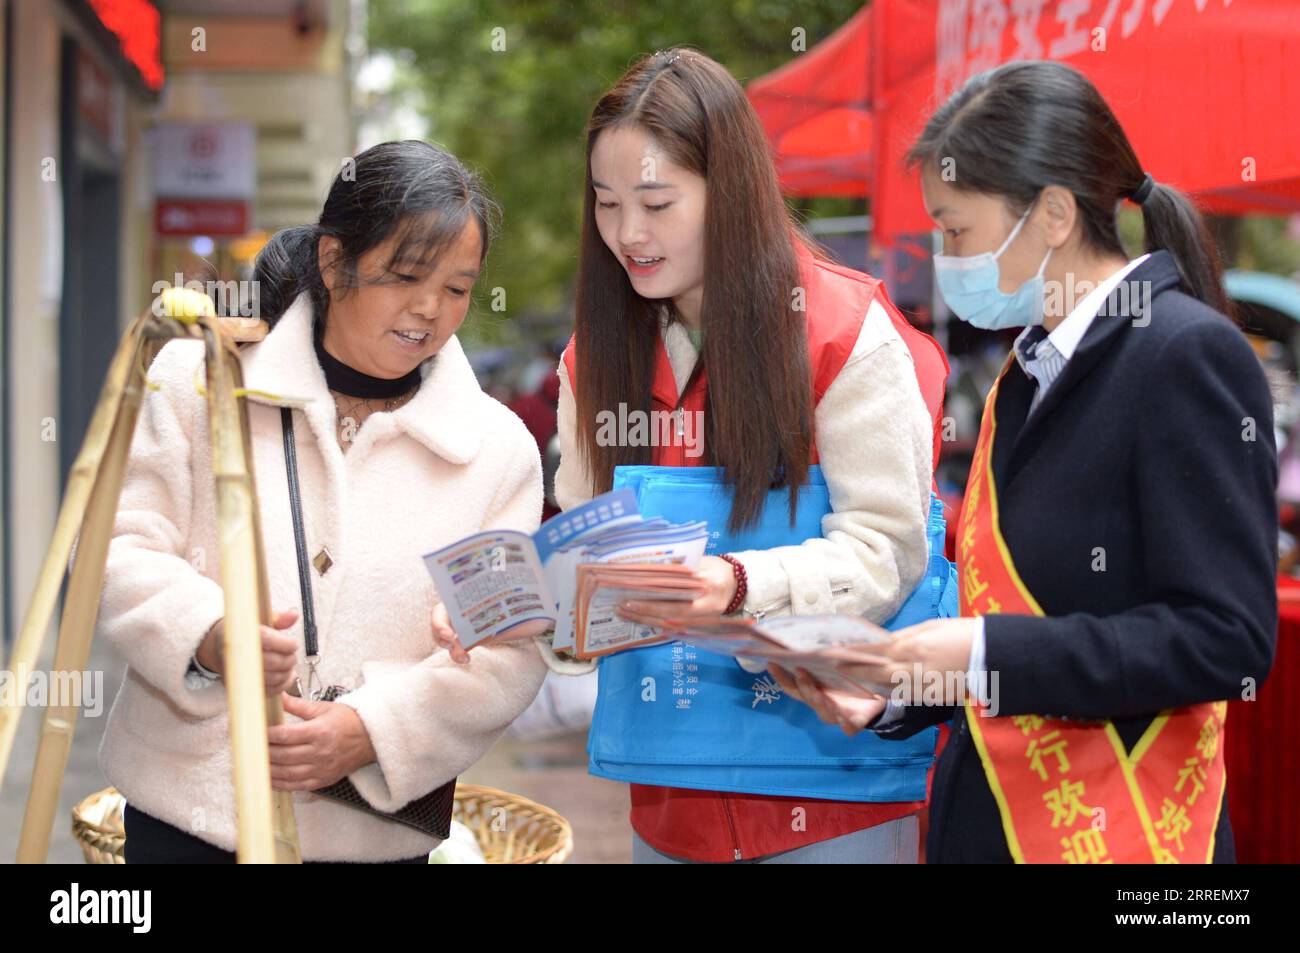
{"x": 411, "y": 190}
{"x": 759, "y": 418}
{"x": 1016, "y": 129}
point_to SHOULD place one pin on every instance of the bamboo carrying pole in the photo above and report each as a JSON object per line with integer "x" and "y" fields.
{"x": 266, "y": 828}
{"x": 267, "y": 831}
{"x": 81, "y": 479}
{"x": 77, "y": 625}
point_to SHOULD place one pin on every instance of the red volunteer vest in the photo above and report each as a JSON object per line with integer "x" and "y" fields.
{"x": 719, "y": 826}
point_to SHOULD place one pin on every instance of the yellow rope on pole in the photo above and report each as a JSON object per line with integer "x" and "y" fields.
{"x": 186, "y": 305}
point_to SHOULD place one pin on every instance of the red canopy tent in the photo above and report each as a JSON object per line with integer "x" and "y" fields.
{"x": 1205, "y": 89}
{"x": 817, "y": 114}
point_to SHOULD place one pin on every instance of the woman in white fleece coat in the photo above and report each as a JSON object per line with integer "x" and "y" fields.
{"x": 384, "y": 280}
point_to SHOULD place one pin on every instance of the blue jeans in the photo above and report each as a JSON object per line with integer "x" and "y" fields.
{"x": 894, "y": 842}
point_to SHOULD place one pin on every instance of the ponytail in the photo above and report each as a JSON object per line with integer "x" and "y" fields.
{"x": 285, "y": 267}
{"x": 1173, "y": 224}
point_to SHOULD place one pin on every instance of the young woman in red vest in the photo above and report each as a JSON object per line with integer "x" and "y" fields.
{"x": 696, "y": 297}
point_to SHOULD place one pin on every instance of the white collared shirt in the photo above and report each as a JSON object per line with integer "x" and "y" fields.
{"x": 1043, "y": 357}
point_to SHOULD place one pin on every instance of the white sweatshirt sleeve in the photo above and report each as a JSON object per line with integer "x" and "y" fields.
{"x": 573, "y": 484}
{"x": 874, "y": 439}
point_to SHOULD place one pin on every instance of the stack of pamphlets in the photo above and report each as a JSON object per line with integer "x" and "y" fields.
{"x": 827, "y": 646}
{"x": 566, "y": 580}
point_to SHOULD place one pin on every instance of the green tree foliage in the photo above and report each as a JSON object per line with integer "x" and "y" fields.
{"x": 508, "y": 87}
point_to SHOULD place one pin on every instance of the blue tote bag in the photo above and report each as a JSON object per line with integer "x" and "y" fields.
{"x": 678, "y": 716}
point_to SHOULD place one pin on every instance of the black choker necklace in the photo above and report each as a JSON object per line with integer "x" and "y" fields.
{"x": 348, "y": 380}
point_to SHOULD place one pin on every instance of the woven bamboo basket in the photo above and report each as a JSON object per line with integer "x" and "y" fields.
{"x": 509, "y": 829}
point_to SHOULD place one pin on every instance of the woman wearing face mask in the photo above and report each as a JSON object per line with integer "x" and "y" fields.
{"x": 696, "y": 299}
{"x": 1117, "y": 546}
{"x": 397, "y": 452}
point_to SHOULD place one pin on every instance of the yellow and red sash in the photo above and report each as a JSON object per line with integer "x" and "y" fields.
{"x": 1068, "y": 791}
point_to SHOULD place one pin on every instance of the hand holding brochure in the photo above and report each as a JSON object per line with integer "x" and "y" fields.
{"x": 601, "y": 588}
{"x": 568, "y": 577}
{"x": 827, "y": 646}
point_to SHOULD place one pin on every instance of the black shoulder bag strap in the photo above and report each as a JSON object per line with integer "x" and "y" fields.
{"x": 431, "y": 813}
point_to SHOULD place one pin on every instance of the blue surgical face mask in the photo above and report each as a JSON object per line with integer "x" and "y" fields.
{"x": 969, "y": 285}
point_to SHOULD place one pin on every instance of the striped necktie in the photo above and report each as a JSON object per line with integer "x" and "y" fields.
{"x": 1039, "y": 359}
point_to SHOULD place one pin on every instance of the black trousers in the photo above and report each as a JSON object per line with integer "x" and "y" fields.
{"x": 153, "y": 841}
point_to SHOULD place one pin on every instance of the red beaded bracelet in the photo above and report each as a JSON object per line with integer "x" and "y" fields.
{"x": 742, "y": 585}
